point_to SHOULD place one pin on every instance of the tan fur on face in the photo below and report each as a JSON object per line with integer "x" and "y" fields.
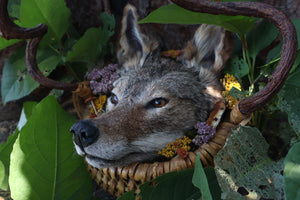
{"x": 134, "y": 129}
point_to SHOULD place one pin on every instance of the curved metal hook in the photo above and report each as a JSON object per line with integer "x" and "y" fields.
{"x": 261, "y": 10}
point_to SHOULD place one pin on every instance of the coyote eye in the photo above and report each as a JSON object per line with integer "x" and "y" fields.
{"x": 114, "y": 99}
{"x": 159, "y": 102}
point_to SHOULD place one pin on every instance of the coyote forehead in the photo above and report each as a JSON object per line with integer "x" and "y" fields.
{"x": 156, "y": 99}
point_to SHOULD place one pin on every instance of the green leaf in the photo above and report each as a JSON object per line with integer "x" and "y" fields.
{"x": 127, "y": 196}
{"x": 212, "y": 180}
{"x": 92, "y": 44}
{"x": 260, "y": 37}
{"x": 292, "y": 173}
{"x": 5, "y": 43}
{"x": 296, "y": 23}
{"x": 200, "y": 180}
{"x": 170, "y": 186}
{"x": 87, "y": 48}
{"x": 5, "y": 150}
{"x": 243, "y": 163}
{"x": 43, "y": 162}
{"x": 53, "y": 13}
{"x": 26, "y": 113}
{"x": 173, "y": 14}
{"x": 237, "y": 94}
{"x": 16, "y": 82}
{"x": 13, "y": 8}
{"x": 237, "y": 67}
{"x": 289, "y": 100}
{"x": 275, "y": 53}
{"x": 108, "y": 24}
{"x": 296, "y": 63}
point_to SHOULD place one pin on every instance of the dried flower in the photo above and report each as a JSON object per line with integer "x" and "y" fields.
{"x": 205, "y": 133}
{"x": 98, "y": 105}
{"x": 182, "y": 153}
{"x": 172, "y": 53}
{"x": 229, "y": 81}
{"x": 101, "y": 80}
{"x": 181, "y": 146}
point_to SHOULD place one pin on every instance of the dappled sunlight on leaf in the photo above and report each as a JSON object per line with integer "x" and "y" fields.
{"x": 244, "y": 169}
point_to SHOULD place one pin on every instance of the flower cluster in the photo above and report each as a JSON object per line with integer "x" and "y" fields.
{"x": 205, "y": 133}
{"x": 101, "y": 80}
{"x": 172, "y": 53}
{"x": 181, "y": 146}
{"x": 98, "y": 105}
{"x": 229, "y": 81}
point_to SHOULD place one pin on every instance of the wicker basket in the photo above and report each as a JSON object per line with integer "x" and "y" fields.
{"x": 118, "y": 180}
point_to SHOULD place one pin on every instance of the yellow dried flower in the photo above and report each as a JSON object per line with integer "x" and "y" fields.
{"x": 229, "y": 81}
{"x": 171, "y": 149}
{"x": 98, "y": 104}
{"x": 172, "y": 53}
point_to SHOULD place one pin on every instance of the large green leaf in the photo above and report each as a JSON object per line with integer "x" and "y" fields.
{"x": 53, "y": 13}
{"x": 16, "y": 82}
{"x": 43, "y": 162}
{"x": 6, "y": 148}
{"x": 174, "y": 185}
{"x": 173, "y": 14}
{"x": 5, "y": 43}
{"x": 289, "y": 100}
{"x": 26, "y": 113}
{"x": 292, "y": 173}
{"x": 13, "y": 8}
{"x": 244, "y": 167}
{"x": 275, "y": 53}
{"x": 260, "y": 37}
{"x": 296, "y": 23}
{"x": 200, "y": 180}
{"x": 127, "y": 196}
{"x": 91, "y": 45}
{"x": 237, "y": 67}
{"x": 87, "y": 47}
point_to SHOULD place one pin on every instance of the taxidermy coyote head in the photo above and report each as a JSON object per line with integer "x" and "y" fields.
{"x": 156, "y": 99}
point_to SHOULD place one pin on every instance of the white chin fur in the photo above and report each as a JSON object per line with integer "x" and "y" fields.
{"x": 78, "y": 150}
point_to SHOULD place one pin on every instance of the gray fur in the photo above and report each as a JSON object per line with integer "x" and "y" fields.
{"x": 133, "y": 130}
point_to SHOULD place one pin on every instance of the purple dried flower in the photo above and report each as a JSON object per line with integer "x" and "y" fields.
{"x": 101, "y": 80}
{"x": 205, "y": 133}
{"x": 94, "y": 74}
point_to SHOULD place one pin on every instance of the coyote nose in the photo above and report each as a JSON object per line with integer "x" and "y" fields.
{"x": 84, "y": 133}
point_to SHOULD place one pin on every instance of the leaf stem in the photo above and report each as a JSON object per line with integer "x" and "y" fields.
{"x": 270, "y": 63}
{"x": 247, "y": 59}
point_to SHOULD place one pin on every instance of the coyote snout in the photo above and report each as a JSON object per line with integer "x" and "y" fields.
{"x": 156, "y": 99}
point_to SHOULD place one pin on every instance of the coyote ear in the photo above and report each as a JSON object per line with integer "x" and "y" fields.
{"x": 132, "y": 52}
{"x": 209, "y": 49}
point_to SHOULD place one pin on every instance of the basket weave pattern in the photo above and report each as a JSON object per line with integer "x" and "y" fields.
{"x": 118, "y": 180}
